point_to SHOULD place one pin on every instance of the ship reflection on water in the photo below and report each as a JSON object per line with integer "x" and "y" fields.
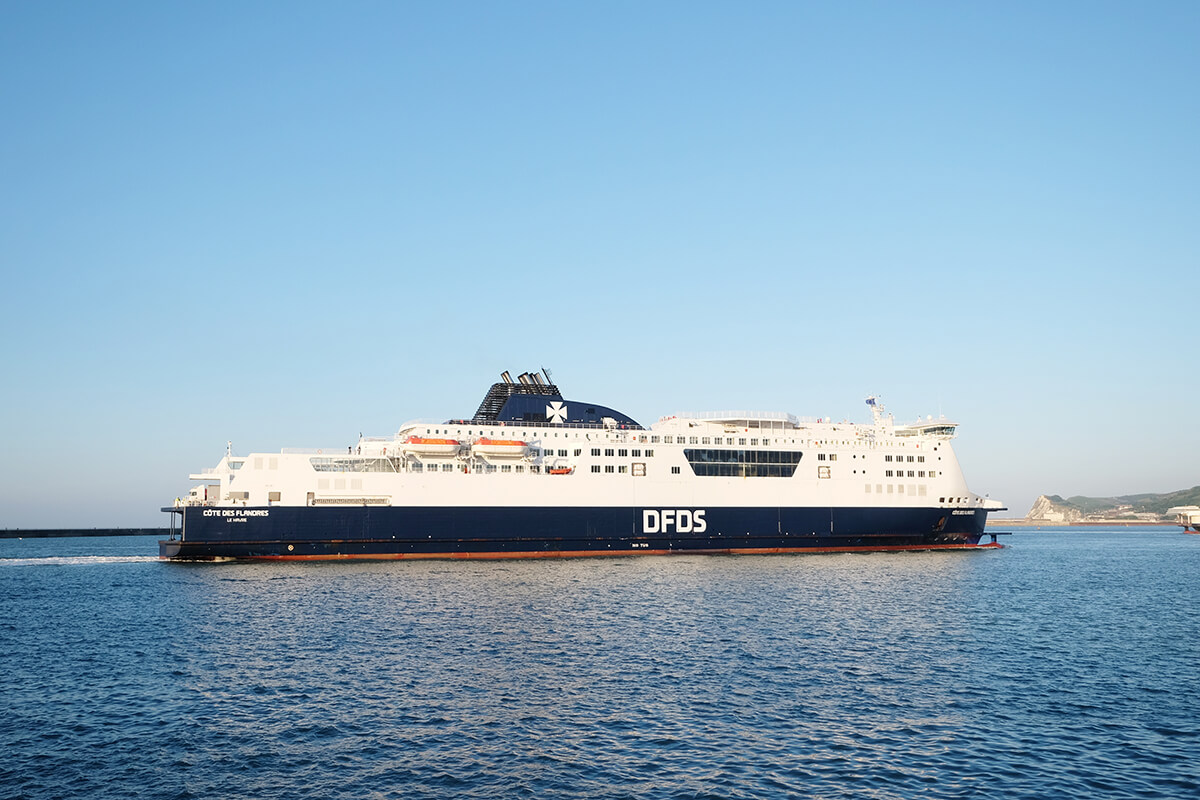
{"x": 1033, "y": 671}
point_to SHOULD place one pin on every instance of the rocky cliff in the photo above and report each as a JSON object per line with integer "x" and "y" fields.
{"x": 1051, "y": 508}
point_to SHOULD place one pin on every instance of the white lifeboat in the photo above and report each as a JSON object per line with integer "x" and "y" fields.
{"x": 499, "y": 448}
{"x": 421, "y": 446}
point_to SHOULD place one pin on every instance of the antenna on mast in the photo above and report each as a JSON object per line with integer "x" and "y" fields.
{"x": 877, "y": 410}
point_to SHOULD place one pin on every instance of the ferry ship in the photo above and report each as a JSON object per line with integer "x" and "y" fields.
{"x": 533, "y": 474}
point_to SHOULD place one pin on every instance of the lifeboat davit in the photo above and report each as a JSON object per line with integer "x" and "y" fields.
{"x": 499, "y": 448}
{"x": 418, "y": 445}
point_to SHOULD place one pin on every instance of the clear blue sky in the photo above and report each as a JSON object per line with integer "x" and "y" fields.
{"x": 286, "y": 223}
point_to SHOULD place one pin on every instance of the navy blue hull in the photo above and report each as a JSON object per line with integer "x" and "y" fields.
{"x": 475, "y": 532}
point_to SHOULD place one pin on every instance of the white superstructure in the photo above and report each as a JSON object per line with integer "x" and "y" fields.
{"x": 681, "y": 460}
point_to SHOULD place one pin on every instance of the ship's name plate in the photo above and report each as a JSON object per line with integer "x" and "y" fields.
{"x": 237, "y": 512}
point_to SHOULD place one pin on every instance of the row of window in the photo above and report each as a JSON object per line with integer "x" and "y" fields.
{"x": 621, "y": 452}
{"x": 705, "y": 463}
{"x": 743, "y": 463}
{"x": 416, "y": 466}
{"x": 343, "y": 464}
{"x": 481, "y": 469}
{"x": 918, "y": 490}
{"x": 644, "y": 438}
{"x": 745, "y": 470}
{"x": 712, "y": 456}
{"x": 728, "y": 440}
{"x": 740, "y": 441}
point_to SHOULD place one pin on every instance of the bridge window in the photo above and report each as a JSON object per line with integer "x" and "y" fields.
{"x": 743, "y": 463}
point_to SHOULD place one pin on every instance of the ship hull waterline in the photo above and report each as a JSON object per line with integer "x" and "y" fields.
{"x": 385, "y": 533}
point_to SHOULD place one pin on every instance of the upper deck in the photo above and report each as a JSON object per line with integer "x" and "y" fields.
{"x": 526, "y": 428}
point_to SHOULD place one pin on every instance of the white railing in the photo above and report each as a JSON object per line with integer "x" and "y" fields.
{"x": 718, "y": 416}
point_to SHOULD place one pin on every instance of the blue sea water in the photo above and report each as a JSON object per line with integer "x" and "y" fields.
{"x": 1064, "y": 665}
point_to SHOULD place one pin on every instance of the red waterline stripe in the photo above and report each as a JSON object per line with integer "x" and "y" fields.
{"x": 738, "y": 551}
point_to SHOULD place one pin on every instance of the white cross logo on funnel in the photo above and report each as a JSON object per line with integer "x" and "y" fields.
{"x": 556, "y": 412}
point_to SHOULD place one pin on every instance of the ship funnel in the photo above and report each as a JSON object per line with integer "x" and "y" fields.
{"x": 504, "y": 376}
{"x": 524, "y": 378}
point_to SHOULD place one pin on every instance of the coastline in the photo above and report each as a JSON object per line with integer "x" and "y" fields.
{"x": 1099, "y": 523}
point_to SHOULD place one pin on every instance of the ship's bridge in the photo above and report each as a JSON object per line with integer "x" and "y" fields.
{"x": 938, "y": 429}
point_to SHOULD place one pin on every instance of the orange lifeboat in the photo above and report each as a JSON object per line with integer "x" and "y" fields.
{"x": 561, "y": 470}
{"x": 499, "y": 448}
{"x": 418, "y": 445}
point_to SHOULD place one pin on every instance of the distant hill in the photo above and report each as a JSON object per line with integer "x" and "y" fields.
{"x": 1077, "y": 509}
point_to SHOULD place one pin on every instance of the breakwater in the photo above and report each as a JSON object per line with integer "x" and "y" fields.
{"x": 50, "y": 533}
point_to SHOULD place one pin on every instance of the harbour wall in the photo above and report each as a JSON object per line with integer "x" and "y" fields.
{"x": 47, "y": 533}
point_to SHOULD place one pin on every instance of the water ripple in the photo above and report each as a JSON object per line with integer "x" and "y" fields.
{"x": 75, "y": 561}
{"x": 1059, "y": 667}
